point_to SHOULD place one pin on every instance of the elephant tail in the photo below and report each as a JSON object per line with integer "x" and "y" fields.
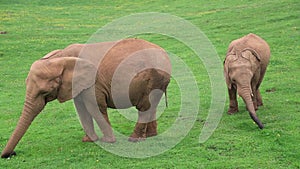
{"x": 166, "y": 98}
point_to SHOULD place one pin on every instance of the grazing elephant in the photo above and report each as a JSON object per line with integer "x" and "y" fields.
{"x": 244, "y": 68}
{"x": 120, "y": 74}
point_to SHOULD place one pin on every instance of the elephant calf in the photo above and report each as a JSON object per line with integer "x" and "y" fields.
{"x": 244, "y": 69}
{"x": 120, "y": 74}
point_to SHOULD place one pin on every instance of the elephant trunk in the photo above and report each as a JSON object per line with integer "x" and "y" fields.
{"x": 245, "y": 93}
{"x": 30, "y": 111}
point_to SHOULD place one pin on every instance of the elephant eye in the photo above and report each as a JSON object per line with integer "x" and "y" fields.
{"x": 234, "y": 86}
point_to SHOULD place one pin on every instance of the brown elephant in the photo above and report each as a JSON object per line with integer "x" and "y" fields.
{"x": 120, "y": 74}
{"x": 244, "y": 68}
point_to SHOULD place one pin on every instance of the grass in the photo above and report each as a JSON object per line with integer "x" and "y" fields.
{"x": 34, "y": 28}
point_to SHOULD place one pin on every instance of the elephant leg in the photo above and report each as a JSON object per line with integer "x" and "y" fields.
{"x": 259, "y": 98}
{"x": 152, "y": 126}
{"x": 233, "y": 104}
{"x": 108, "y": 136}
{"x": 105, "y": 115}
{"x": 151, "y": 129}
{"x": 147, "y": 124}
{"x": 139, "y": 132}
{"x": 101, "y": 118}
{"x": 86, "y": 121}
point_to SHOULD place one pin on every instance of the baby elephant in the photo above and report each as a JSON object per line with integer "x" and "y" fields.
{"x": 244, "y": 68}
{"x": 119, "y": 74}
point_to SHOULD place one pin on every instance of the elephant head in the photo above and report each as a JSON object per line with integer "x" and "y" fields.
{"x": 50, "y": 79}
{"x": 242, "y": 71}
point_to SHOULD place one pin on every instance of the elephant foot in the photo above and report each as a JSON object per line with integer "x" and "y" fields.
{"x": 133, "y": 139}
{"x": 8, "y": 155}
{"x": 139, "y": 133}
{"x": 86, "y": 138}
{"x": 108, "y": 139}
{"x": 151, "y": 134}
{"x": 151, "y": 129}
{"x": 232, "y": 110}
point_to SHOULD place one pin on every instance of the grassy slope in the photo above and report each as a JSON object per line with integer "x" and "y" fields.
{"x": 53, "y": 141}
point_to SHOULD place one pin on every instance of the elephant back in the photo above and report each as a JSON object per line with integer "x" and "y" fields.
{"x": 125, "y": 50}
{"x": 254, "y": 42}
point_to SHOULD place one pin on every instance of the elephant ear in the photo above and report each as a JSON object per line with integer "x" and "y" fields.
{"x": 69, "y": 76}
{"x": 229, "y": 58}
{"x": 84, "y": 76}
{"x": 248, "y": 53}
{"x": 253, "y": 57}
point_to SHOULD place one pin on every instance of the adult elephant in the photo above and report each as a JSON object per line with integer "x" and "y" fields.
{"x": 244, "y": 69}
{"x": 120, "y": 74}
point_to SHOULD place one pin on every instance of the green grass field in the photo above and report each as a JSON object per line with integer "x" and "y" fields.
{"x": 31, "y": 29}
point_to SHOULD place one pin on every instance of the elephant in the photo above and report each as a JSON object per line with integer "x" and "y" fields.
{"x": 245, "y": 65}
{"x": 97, "y": 76}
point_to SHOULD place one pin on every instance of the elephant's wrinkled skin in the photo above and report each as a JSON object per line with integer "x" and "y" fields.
{"x": 85, "y": 72}
{"x": 244, "y": 68}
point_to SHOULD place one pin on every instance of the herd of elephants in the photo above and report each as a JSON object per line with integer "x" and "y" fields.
{"x": 126, "y": 73}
